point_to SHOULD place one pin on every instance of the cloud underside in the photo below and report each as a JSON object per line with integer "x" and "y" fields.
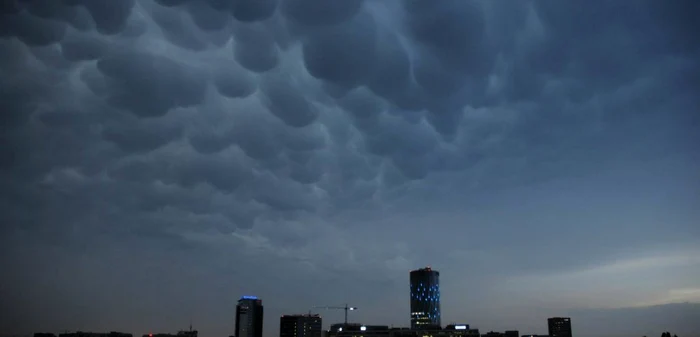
{"x": 284, "y": 126}
{"x": 307, "y": 107}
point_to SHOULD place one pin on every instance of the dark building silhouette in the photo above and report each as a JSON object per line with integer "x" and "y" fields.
{"x": 44, "y": 334}
{"x": 88, "y": 334}
{"x": 508, "y": 333}
{"x": 94, "y": 334}
{"x": 301, "y": 326}
{"x": 493, "y": 334}
{"x": 357, "y": 329}
{"x": 181, "y": 333}
{"x": 360, "y": 330}
{"x": 535, "y": 336}
{"x": 559, "y": 326}
{"x": 249, "y": 317}
{"x": 425, "y": 299}
{"x": 187, "y": 333}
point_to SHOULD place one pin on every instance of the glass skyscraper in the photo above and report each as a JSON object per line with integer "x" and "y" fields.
{"x": 425, "y": 299}
{"x": 249, "y": 317}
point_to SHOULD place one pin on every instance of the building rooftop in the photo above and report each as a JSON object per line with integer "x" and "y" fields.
{"x": 428, "y": 268}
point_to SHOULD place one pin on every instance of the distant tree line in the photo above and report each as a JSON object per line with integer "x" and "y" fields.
{"x": 666, "y": 334}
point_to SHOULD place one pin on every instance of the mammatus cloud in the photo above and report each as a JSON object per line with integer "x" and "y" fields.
{"x": 336, "y": 143}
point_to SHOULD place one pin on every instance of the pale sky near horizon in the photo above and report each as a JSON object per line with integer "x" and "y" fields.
{"x": 161, "y": 158}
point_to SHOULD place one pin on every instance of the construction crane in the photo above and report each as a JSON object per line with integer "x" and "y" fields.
{"x": 346, "y": 308}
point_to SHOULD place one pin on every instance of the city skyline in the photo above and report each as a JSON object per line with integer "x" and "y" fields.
{"x": 159, "y": 159}
{"x": 424, "y": 296}
{"x": 312, "y": 326}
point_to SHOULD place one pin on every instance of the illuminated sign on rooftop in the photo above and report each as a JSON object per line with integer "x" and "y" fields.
{"x": 249, "y": 297}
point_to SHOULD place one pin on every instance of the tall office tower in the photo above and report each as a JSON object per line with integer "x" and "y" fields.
{"x": 425, "y": 299}
{"x": 559, "y": 326}
{"x": 301, "y": 326}
{"x": 249, "y": 317}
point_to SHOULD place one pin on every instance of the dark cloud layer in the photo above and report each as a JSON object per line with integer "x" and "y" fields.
{"x": 268, "y": 134}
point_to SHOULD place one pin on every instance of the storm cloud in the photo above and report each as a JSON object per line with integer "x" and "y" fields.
{"x": 312, "y": 152}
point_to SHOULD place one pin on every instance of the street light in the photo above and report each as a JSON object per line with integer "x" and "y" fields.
{"x": 346, "y": 312}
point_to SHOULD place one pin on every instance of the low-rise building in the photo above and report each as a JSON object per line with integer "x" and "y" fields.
{"x": 301, "y": 326}
{"x": 361, "y": 330}
{"x": 182, "y": 333}
{"x": 94, "y": 334}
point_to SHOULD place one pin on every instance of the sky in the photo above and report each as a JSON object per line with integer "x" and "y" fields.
{"x": 162, "y": 158}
